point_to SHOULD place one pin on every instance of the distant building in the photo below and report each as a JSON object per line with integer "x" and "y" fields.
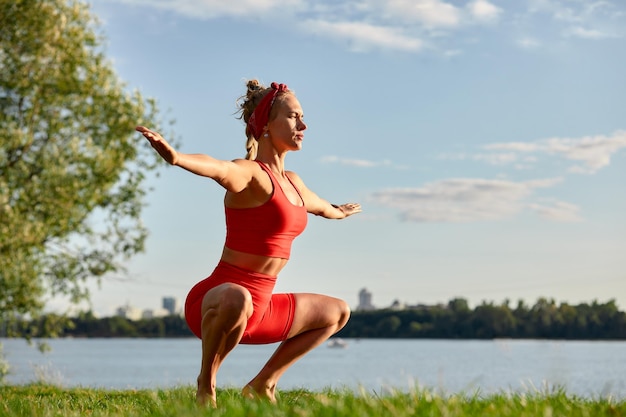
{"x": 171, "y": 305}
{"x": 365, "y": 301}
{"x": 129, "y": 312}
{"x": 150, "y": 314}
{"x": 397, "y": 305}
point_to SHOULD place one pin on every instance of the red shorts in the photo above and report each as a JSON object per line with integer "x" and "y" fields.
{"x": 273, "y": 313}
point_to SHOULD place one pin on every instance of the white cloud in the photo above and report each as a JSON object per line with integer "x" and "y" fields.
{"x": 496, "y": 158}
{"x": 580, "y": 32}
{"x": 405, "y": 25}
{"x": 593, "y": 151}
{"x": 595, "y": 20}
{"x": 556, "y": 9}
{"x": 491, "y": 158}
{"x": 513, "y": 146}
{"x": 431, "y": 13}
{"x": 364, "y": 36}
{"x": 361, "y": 163}
{"x": 207, "y": 9}
{"x": 484, "y": 11}
{"x": 461, "y": 199}
{"x": 576, "y": 11}
{"x": 559, "y": 211}
{"x": 451, "y": 53}
{"x": 528, "y": 42}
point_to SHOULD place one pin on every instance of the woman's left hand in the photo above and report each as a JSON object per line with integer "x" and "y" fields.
{"x": 349, "y": 209}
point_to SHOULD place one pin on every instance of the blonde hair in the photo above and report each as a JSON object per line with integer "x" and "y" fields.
{"x": 247, "y": 103}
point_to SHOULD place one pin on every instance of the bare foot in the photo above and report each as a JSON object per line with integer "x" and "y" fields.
{"x": 206, "y": 396}
{"x": 253, "y": 393}
{"x": 206, "y": 400}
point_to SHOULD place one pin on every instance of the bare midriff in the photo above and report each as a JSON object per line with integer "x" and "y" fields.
{"x": 258, "y": 263}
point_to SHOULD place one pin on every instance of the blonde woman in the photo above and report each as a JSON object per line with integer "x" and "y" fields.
{"x": 266, "y": 208}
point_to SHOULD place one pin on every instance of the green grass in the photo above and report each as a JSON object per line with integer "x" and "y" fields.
{"x": 47, "y": 401}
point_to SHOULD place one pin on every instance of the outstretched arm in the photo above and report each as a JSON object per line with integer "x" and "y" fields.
{"x": 319, "y": 206}
{"x": 229, "y": 174}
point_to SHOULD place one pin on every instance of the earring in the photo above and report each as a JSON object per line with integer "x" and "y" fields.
{"x": 266, "y": 135}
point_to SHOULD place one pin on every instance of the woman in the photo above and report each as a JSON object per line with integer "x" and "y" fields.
{"x": 266, "y": 208}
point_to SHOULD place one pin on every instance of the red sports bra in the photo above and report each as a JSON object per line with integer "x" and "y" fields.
{"x": 269, "y": 229}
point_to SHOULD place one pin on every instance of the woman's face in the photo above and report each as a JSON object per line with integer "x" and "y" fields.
{"x": 286, "y": 130}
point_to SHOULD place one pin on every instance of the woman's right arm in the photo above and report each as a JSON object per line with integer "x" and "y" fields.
{"x": 232, "y": 175}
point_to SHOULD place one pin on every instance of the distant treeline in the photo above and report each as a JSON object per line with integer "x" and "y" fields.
{"x": 455, "y": 320}
{"x": 86, "y": 325}
{"x": 544, "y": 320}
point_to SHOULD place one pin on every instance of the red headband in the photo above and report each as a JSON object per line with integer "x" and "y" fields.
{"x": 261, "y": 114}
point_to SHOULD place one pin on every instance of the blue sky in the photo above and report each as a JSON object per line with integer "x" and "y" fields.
{"x": 486, "y": 141}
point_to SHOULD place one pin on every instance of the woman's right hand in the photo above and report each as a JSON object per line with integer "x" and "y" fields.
{"x": 164, "y": 149}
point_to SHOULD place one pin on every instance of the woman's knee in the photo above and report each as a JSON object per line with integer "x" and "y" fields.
{"x": 228, "y": 299}
{"x": 344, "y": 313}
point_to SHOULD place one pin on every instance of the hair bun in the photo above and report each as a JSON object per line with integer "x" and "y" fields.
{"x": 253, "y": 86}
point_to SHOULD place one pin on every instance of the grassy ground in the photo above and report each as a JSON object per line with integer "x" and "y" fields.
{"x": 48, "y": 401}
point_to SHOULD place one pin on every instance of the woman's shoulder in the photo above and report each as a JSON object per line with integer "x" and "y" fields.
{"x": 248, "y": 165}
{"x": 295, "y": 178}
{"x": 244, "y": 162}
{"x": 258, "y": 183}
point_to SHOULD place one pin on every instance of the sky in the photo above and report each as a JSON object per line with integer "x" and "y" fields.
{"x": 485, "y": 140}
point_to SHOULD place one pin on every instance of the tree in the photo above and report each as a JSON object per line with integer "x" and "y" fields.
{"x": 461, "y": 326}
{"x": 72, "y": 169}
{"x": 388, "y": 326}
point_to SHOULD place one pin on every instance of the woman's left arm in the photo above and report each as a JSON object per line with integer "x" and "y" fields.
{"x": 320, "y": 207}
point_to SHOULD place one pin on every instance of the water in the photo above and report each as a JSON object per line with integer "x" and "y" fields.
{"x": 584, "y": 368}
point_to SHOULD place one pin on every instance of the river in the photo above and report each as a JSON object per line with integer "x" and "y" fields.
{"x": 590, "y": 369}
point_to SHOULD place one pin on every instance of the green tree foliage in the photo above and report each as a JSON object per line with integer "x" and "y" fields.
{"x": 545, "y": 319}
{"x": 452, "y": 321}
{"x": 72, "y": 170}
{"x": 4, "y": 365}
{"x": 86, "y": 325}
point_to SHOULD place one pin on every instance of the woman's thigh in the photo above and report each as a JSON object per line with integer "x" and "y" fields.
{"x": 316, "y": 311}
